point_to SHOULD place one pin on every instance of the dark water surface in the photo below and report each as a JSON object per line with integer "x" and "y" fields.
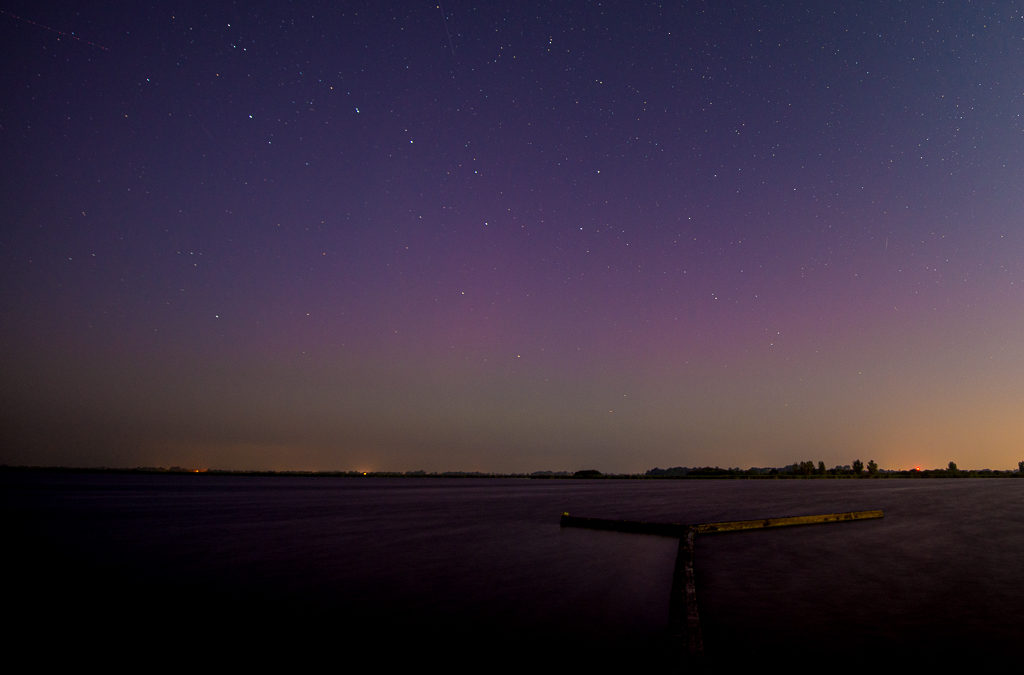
{"x": 477, "y": 574}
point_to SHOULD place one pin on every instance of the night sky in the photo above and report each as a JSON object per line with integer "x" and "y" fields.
{"x": 511, "y": 236}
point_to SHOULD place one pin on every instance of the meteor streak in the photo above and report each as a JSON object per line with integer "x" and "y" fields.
{"x": 54, "y": 30}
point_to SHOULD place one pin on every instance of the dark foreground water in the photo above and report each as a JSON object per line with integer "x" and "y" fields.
{"x": 478, "y": 575}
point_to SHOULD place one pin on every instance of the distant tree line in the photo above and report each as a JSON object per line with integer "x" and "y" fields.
{"x": 804, "y": 469}
{"x": 808, "y": 469}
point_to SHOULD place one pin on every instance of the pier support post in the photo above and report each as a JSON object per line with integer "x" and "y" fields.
{"x": 684, "y": 620}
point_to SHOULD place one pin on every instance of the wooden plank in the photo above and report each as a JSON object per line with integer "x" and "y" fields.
{"x": 737, "y": 525}
{"x": 684, "y": 619}
{"x": 630, "y": 526}
{"x": 679, "y": 529}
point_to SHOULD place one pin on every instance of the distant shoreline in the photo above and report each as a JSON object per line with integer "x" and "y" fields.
{"x": 701, "y": 473}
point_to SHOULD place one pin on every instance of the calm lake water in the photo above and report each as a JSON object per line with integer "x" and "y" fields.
{"x": 467, "y": 572}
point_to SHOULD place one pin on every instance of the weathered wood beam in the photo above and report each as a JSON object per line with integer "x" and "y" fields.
{"x": 684, "y": 620}
{"x": 737, "y": 525}
{"x": 679, "y": 529}
{"x": 631, "y": 526}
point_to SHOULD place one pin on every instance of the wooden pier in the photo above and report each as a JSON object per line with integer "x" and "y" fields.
{"x": 684, "y": 619}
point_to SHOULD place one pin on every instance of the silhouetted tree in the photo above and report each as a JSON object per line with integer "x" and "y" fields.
{"x": 872, "y": 467}
{"x": 821, "y": 468}
{"x": 858, "y": 466}
{"x": 587, "y": 473}
{"x": 952, "y": 467}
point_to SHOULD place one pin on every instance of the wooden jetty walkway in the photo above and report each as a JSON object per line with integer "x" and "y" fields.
{"x": 684, "y": 620}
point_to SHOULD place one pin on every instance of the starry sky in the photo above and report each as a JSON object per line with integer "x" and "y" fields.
{"x": 511, "y": 236}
